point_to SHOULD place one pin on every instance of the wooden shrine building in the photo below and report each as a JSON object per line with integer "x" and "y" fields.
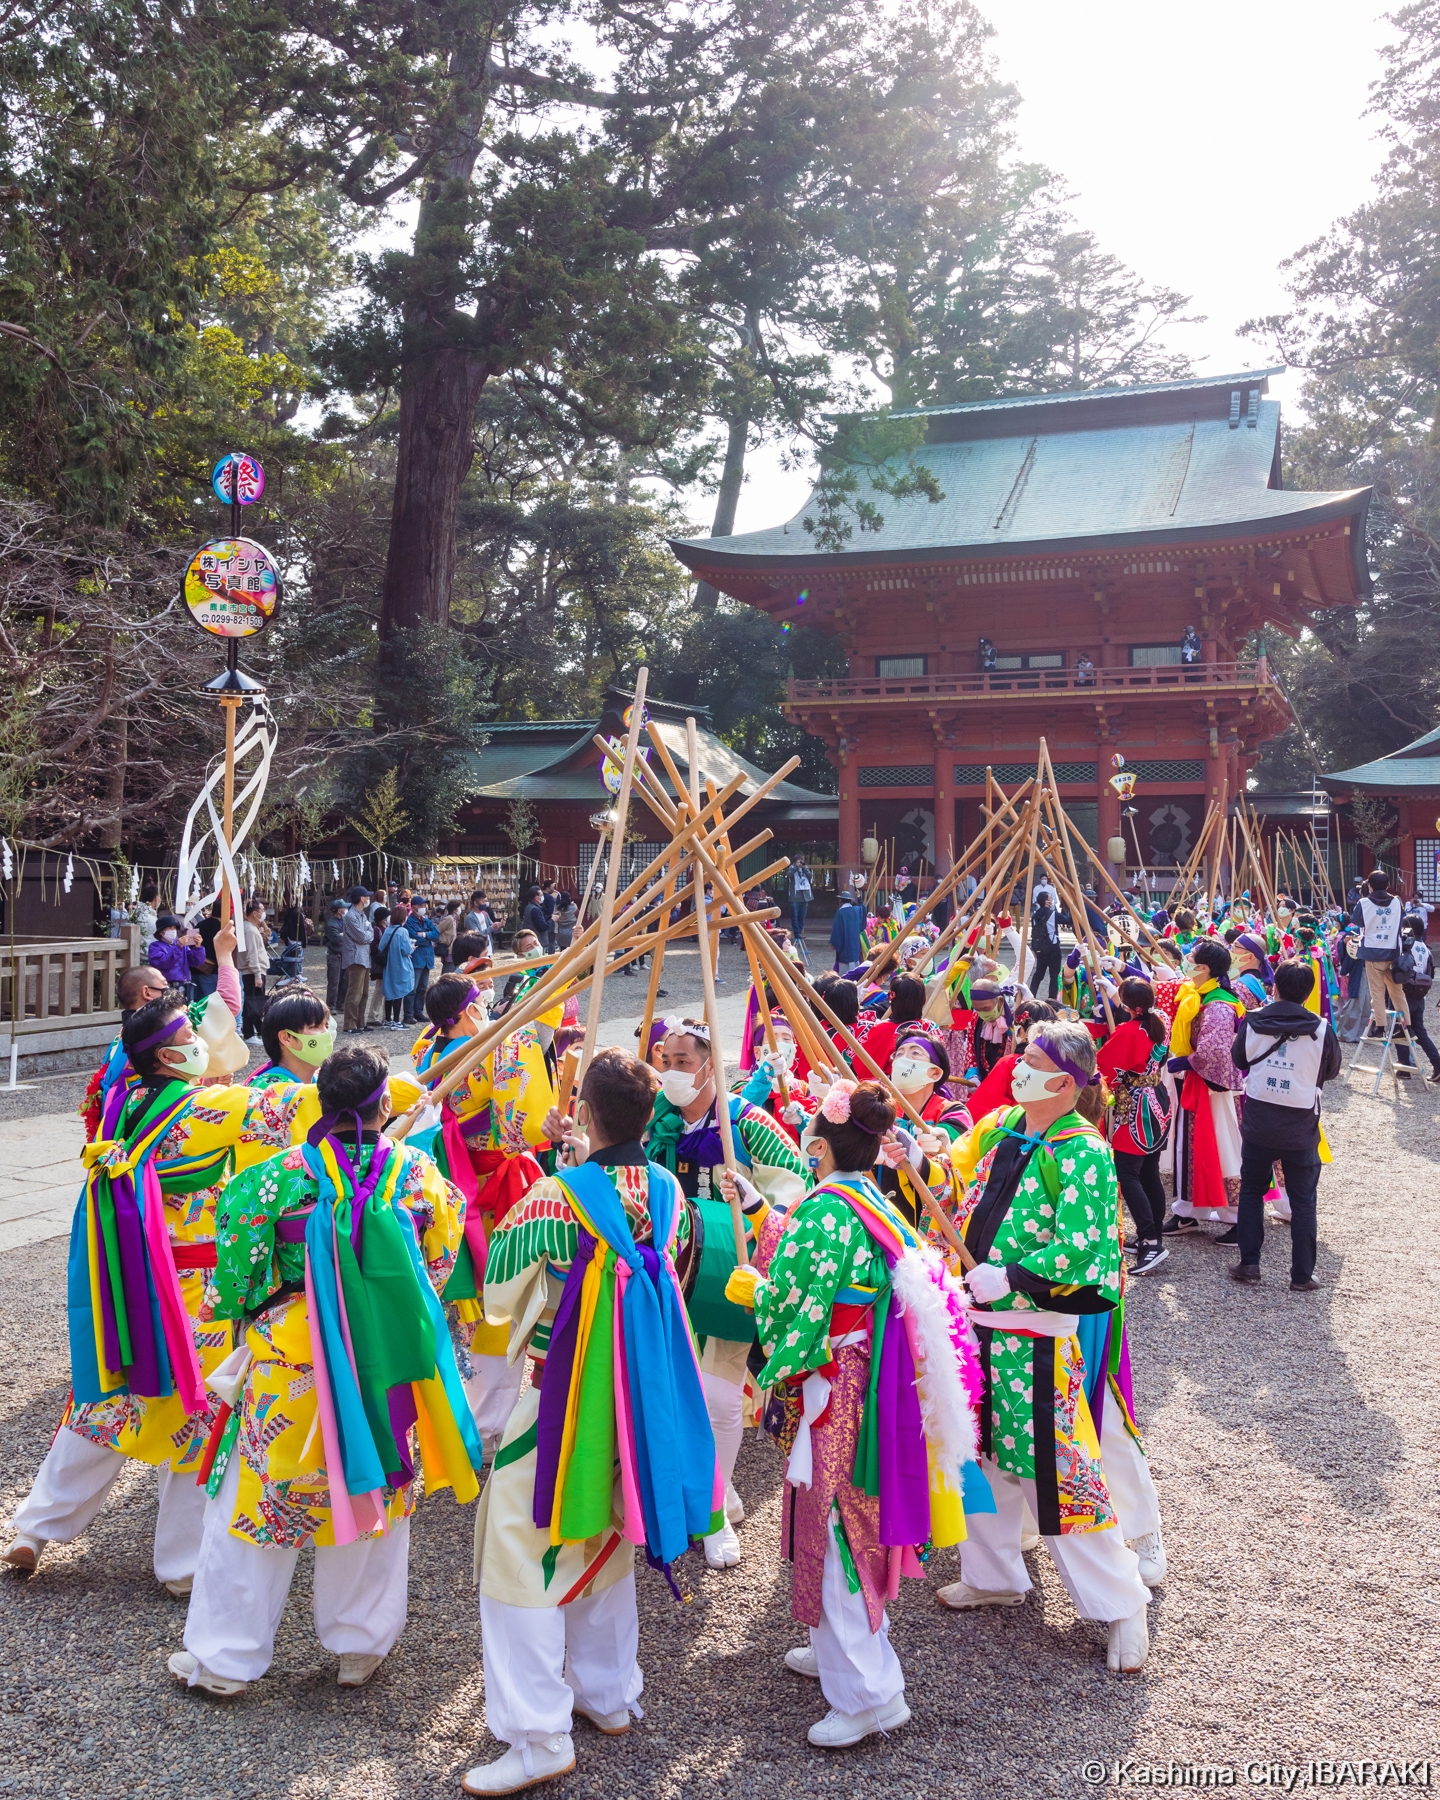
{"x": 1081, "y": 538}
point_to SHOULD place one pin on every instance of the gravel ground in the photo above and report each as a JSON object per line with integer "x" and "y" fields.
{"x": 1290, "y": 1437}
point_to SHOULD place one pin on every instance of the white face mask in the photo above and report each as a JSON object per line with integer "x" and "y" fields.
{"x": 485, "y": 998}
{"x": 783, "y": 1055}
{"x": 197, "y": 1060}
{"x": 912, "y": 1072}
{"x": 1032, "y": 1084}
{"x": 168, "y": 936}
{"x": 679, "y": 1088}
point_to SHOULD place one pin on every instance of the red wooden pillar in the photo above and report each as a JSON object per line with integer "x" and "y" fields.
{"x": 1110, "y": 821}
{"x": 849, "y": 823}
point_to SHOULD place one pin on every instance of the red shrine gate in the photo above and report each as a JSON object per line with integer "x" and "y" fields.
{"x": 1098, "y": 572}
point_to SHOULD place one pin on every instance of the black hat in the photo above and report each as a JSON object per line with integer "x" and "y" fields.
{"x": 358, "y": 893}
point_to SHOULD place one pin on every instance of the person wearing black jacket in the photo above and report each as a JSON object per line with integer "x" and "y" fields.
{"x": 1045, "y": 941}
{"x": 1286, "y": 1053}
{"x": 1415, "y": 969}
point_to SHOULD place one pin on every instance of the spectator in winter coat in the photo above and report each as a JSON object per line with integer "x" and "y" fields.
{"x": 425, "y": 934}
{"x": 146, "y": 917}
{"x": 396, "y": 952}
{"x": 336, "y": 974}
{"x": 1045, "y": 942}
{"x": 1286, "y": 1054}
{"x": 1416, "y": 969}
{"x": 447, "y": 926}
{"x": 252, "y": 959}
{"x": 355, "y": 958}
{"x": 179, "y": 957}
{"x": 845, "y": 932}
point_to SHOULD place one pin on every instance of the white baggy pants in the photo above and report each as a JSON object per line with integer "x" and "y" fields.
{"x": 240, "y": 1592}
{"x": 492, "y": 1389}
{"x": 858, "y": 1669}
{"x": 1127, "y": 1475}
{"x": 1101, "y": 1573}
{"x": 73, "y": 1483}
{"x": 540, "y": 1661}
{"x": 722, "y": 1377}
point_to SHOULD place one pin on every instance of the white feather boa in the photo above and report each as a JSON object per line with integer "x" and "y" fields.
{"x": 947, "y": 1358}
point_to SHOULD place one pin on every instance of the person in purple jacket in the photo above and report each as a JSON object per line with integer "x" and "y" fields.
{"x": 179, "y": 956}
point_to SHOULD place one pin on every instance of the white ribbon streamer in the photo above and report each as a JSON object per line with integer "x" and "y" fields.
{"x": 257, "y": 738}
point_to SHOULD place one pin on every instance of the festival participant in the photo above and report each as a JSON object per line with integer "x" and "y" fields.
{"x": 1132, "y": 1060}
{"x": 1416, "y": 969}
{"x": 612, "y": 1449}
{"x": 1040, "y": 1217}
{"x": 492, "y": 1126}
{"x": 882, "y": 1425}
{"x": 684, "y": 1137}
{"x": 994, "y": 1091}
{"x": 778, "y": 1079}
{"x": 1285, "y": 1054}
{"x": 983, "y": 1029}
{"x": 136, "y": 987}
{"x": 1251, "y": 967}
{"x": 1207, "y": 1137}
{"x": 905, "y": 1012}
{"x": 333, "y": 1252}
{"x": 142, "y": 1240}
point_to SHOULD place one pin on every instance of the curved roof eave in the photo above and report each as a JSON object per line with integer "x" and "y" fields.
{"x": 702, "y": 552}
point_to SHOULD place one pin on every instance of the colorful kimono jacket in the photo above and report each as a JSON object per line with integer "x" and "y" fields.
{"x": 838, "y": 1349}
{"x": 289, "y": 1430}
{"x": 491, "y": 1126}
{"x": 191, "y": 1157}
{"x": 560, "y": 1520}
{"x": 767, "y": 1156}
{"x": 1050, "y": 1214}
{"x": 283, "y": 1108}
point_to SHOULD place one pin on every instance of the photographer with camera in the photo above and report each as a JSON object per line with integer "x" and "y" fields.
{"x": 1286, "y": 1054}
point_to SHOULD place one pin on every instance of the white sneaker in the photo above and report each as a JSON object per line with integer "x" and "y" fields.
{"x": 803, "y": 1662}
{"x": 1151, "y": 1551}
{"x": 838, "y": 1730}
{"x": 613, "y": 1724}
{"x": 179, "y": 1590}
{"x": 522, "y": 1766}
{"x": 1129, "y": 1644}
{"x": 722, "y": 1548}
{"x": 356, "y": 1668}
{"x": 189, "y": 1669}
{"x": 23, "y": 1552}
{"x": 961, "y": 1597}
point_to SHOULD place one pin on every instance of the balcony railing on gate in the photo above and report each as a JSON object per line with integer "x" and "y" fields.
{"x": 999, "y": 682}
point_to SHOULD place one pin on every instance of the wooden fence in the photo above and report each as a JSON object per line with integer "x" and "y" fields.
{"x": 63, "y": 990}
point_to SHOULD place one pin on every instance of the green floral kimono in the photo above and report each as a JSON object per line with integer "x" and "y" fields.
{"x": 1060, "y": 1237}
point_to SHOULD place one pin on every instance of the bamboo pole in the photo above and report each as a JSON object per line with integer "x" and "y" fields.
{"x": 612, "y": 874}
{"x": 712, "y": 1009}
{"x": 1053, "y": 800}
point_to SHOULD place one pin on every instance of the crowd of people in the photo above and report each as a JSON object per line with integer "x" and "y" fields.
{"x": 911, "y": 1278}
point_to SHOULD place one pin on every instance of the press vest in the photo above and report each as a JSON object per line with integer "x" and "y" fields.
{"x": 1380, "y": 929}
{"x": 1289, "y": 1075}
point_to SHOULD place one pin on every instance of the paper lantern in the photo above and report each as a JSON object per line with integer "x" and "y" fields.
{"x": 1115, "y": 849}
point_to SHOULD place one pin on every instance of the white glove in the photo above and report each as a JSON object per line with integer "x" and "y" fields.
{"x": 819, "y": 1083}
{"x": 794, "y": 1113}
{"x": 987, "y": 1282}
{"x": 913, "y": 1152}
{"x": 749, "y": 1195}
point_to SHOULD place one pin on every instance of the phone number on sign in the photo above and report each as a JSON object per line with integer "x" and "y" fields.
{"x": 1284, "y": 1778}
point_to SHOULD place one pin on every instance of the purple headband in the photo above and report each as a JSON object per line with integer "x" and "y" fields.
{"x": 1078, "y": 1075}
{"x": 447, "y": 1024}
{"x": 1260, "y": 951}
{"x": 165, "y": 1031}
{"x": 326, "y": 1122}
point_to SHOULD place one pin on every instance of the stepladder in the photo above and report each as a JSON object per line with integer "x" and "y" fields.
{"x": 1385, "y": 1044}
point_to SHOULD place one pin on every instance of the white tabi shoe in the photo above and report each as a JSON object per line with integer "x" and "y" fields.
{"x": 179, "y": 1590}
{"x": 722, "y": 1548}
{"x": 356, "y": 1668}
{"x": 189, "y": 1669}
{"x": 1029, "y": 1540}
{"x": 961, "y": 1597}
{"x": 734, "y": 1506}
{"x": 838, "y": 1730}
{"x": 1151, "y": 1551}
{"x": 614, "y": 1724}
{"x": 803, "y": 1662}
{"x": 23, "y": 1553}
{"x": 1129, "y": 1644}
{"x": 522, "y": 1766}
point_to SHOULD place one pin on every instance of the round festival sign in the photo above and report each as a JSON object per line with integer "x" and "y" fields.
{"x": 231, "y": 587}
{"x": 251, "y": 479}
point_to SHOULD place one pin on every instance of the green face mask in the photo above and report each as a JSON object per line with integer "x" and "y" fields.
{"x": 312, "y": 1047}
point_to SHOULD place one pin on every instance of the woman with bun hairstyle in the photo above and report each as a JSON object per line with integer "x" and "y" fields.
{"x": 1132, "y": 1059}
{"x": 862, "y": 1493}
{"x": 1207, "y": 1135}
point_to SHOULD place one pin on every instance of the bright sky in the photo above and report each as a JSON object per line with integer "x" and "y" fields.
{"x": 1202, "y": 148}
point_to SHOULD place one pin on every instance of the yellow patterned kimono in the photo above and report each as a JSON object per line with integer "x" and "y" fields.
{"x": 282, "y": 1109}
{"x": 192, "y": 1160}
{"x": 284, "y": 1490}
